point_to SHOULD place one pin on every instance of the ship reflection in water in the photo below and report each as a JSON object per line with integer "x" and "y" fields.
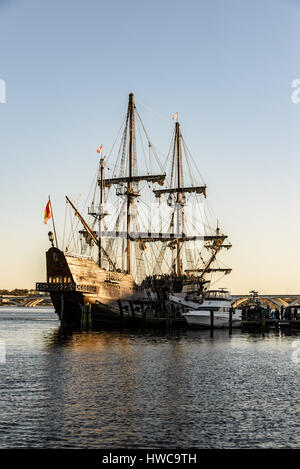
{"x": 128, "y": 389}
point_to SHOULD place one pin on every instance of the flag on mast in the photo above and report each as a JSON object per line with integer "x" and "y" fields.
{"x": 99, "y": 149}
{"x": 48, "y": 212}
{"x": 175, "y": 116}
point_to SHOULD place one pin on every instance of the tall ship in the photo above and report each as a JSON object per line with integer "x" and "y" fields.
{"x": 147, "y": 244}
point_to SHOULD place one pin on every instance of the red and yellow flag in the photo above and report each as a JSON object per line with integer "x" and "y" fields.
{"x": 48, "y": 212}
{"x": 99, "y": 149}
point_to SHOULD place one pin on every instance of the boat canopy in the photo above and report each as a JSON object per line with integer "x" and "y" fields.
{"x": 217, "y": 294}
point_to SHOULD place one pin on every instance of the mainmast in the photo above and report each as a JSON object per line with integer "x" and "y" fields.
{"x": 129, "y": 184}
{"x": 177, "y": 145}
{"x": 128, "y": 179}
{"x": 100, "y": 211}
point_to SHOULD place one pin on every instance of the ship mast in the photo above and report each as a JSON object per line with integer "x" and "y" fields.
{"x": 177, "y": 144}
{"x": 125, "y": 176}
{"x": 100, "y": 211}
{"x": 90, "y": 232}
{"x": 178, "y": 189}
{"x": 129, "y": 180}
{"x": 129, "y": 184}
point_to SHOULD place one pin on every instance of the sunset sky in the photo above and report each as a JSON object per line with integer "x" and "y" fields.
{"x": 226, "y": 66}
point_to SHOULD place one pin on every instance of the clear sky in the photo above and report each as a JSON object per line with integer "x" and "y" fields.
{"x": 225, "y": 65}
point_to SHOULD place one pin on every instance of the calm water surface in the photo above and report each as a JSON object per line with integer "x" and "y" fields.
{"x": 111, "y": 389}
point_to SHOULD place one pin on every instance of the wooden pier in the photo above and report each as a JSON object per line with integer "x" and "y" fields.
{"x": 258, "y": 317}
{"x": 260, "y": 323}
{"x": 272, "y": 324}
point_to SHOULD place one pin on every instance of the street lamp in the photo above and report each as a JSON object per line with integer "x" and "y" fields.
{"x": 51, "y": 238}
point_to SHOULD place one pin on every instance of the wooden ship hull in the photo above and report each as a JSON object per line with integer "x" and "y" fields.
{"x": 84, "y": 295}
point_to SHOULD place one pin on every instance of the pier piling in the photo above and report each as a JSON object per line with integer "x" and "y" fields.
{"x": 211, "y": 321}
{"x": 263, "y": 320}
{"x": 230, "y": 320}
{"x": 86, "y": 316}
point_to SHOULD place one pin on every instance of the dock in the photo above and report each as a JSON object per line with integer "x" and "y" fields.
{"x": 293, "y": 324}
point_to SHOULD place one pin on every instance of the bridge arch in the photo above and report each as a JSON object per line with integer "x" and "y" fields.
{"x": 240, "y": 301}
{"x": 33, "y": 302}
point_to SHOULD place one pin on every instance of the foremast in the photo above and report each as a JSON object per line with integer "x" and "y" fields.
{"x": 91, "y": 233}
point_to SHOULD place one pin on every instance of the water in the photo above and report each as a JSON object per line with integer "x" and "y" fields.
{"x": 131, "y": 390}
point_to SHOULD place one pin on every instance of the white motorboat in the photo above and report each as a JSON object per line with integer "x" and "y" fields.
{"x": 220, "y": 302}
{"x": 187, "y": 304}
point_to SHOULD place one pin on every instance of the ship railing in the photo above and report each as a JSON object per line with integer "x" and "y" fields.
{"x": 94, "y": 210}
{"x": 86, "y": 288}
{"x": 65, "y": 287}
{"x": 79, "y": 256}
{"x": 97, "y": 210}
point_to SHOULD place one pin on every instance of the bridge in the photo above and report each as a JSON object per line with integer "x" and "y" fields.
{"x": 274, "y": 301}
{"x": 25, "y": 301}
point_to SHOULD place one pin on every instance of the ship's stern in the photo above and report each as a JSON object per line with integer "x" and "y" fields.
{"x": 66, "y": 297}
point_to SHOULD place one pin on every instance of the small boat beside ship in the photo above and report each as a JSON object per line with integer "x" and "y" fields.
{"x": 218, "y": 303}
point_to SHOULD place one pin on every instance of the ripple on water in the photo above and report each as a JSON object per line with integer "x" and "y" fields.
{"x": 111, "y": 389}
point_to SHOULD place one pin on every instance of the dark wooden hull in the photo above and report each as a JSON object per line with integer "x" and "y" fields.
{"x": 74, "y": 313}
{"x": 86, "y": 296}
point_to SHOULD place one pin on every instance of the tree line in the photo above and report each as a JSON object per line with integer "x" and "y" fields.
{"x": 15, "y": 292}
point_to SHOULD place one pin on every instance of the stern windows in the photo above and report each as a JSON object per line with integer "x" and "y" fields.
{"x": 59, "y": 279}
